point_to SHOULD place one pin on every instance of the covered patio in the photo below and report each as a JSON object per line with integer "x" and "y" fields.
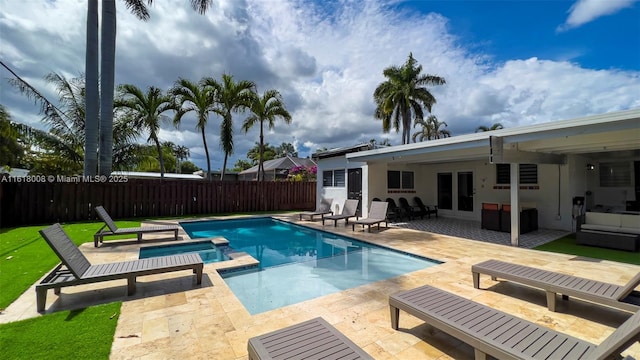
{"x": 470, "y": 229}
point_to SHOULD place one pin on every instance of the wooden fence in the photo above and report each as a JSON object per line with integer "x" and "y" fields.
{"x": 29, "y": 203}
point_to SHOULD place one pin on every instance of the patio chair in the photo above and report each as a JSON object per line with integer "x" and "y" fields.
{"x": 490, "y": 218}
{"x": 501, "y": 335}
{"x": 428, "y": 209}
{"x": 312, "y": 339}
{"x": 410, "y": 210}
{"x": 349, "y": 210}
{"x": 322, "y": 210}
{"x": 76, "y": 269}
{"x": 394, "y": 211}
{"x": 377, "y": 215}
{"x": 114, "y": 230}
{"x": 620, "y": 297}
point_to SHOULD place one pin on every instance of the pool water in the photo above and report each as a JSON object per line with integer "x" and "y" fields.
{"x": 299, "y": 263}
{"x": 208, "y": 251}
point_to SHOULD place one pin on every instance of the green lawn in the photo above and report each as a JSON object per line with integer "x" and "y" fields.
{"x": 25, "y": 257}
{"x": 567, "y": 245}
{"x": 76, "y": 334}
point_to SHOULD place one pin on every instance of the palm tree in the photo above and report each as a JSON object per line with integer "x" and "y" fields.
{"x": 496, "y": 126}
{"x": 107, "y": 71}
{"x": 402, "y": 95}
{"x": 62, "y": 144}
{"x": 197, "y": 98}
{"x": 230, "y": 96}
{"x": 430, "y": 129}
{"x": 267, "y": 108}
{"x": 181, "y": 153}
{"x": 146, "y": 111}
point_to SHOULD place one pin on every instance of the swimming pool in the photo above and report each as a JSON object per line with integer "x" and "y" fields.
{"x": 208, "y": 251}
{"x": 299, "y": 263}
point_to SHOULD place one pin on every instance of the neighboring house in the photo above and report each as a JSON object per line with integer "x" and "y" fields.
{"x": 276, "y": 169}
{"x": 14, "y": 172}
{"x": 156, "y": 175}
{"x": 544, "y": 165}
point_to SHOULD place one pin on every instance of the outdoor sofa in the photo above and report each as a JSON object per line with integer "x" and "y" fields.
{"x": 75, "y": 268}
{"x": 112, "y": 229}
{"x": 609, "y": 230}
{"x": 314, "y": 339}
{"x": 501, "y": 335}
{"x": 620, "y": 297}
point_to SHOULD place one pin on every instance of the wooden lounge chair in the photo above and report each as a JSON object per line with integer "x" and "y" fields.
{"x": 113, "y": 229}
{"x": 410, "y": 210}
{"x": 377, "y": 215}
{"x": 313, "y": 339}
{"x": 349, "y": 210}
{"x": 620, "y": 297}
{"x": 429, "y": 210}
{"x": 76, "y": 269}
{"x": 322, "y": 210}
{"x": 501, "y": 335}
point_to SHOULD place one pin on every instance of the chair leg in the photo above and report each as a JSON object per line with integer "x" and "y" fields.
{"x": 198, "y": 271}
{"x": 476, "y": 280}
{"x": 395, "y": 317}
{"x": 131, "y": 285}
{"x": 551, "y": 301}
{"x": 479, "y": 355}
{"x": 41, "y": 298}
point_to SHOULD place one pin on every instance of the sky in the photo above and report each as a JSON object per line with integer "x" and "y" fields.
{"x": 514, "y": 62}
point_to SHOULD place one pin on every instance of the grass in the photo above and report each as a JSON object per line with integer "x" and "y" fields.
{"x": 567, "y": 245}
{"x": 25, "y": 257}
{"x": 76, "y": 334}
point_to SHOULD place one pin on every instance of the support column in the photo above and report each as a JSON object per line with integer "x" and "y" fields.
{"x": 515, "y": 204}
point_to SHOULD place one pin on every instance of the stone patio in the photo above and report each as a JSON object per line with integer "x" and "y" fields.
{"x": 169, "y": 317}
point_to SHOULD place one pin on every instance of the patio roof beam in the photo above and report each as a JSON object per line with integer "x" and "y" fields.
{"x": 502, "y": 153}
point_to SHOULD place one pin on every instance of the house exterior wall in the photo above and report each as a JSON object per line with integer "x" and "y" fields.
{"x": 552, "y": 196}
{"x": 339, "y": 194}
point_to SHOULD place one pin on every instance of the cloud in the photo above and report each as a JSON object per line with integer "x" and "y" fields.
{"x": 326, "y": 58}
{"x": 584, "y": 11}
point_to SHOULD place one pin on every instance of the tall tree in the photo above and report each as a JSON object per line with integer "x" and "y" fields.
{"x": 286, "y": 149}
{"x": 403, "y": 95}
{"x": 199, "y": 99}
{"x": 147, "y": 112}
{"x": 268, "y": 153}
{"x": 230, "y": 96}
{"x": 430, "y": 129}
{"x": 61, "y": 146}
{"x": 11, "y": 150}
{"x": 92, "y": 92}
{"x": 496, "y": 126}
{"x": 266, "y": 108}
{"x": 107, "y": 69}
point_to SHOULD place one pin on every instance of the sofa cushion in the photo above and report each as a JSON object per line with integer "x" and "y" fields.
{"x": 607, "y": 219}
{"x": 630, "y": 221}
{"x": 629, "y": 230}
{"x": 600, "y": 227}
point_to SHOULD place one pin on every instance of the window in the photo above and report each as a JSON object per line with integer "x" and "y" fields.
{"x": 333, "y": 178}
{"x": 615, "y": 174}
{"x": 528, "y": 173}
{"x": 393, "y": 179}
{"x": 400, "y": 179}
